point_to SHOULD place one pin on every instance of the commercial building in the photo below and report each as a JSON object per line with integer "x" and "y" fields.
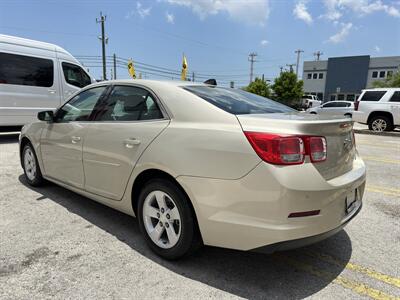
{"x": 343, "y": 78}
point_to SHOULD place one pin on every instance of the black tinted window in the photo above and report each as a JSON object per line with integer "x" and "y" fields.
{"x": 74, "y": 75}
{"x": 320, "y": 75}
{"x": 128, "y": 103}
{"x": 375, "y": 74}
{"x": 81, "y": 106}
{"x": 331, "y": 104}
{"x": 236, "y": 101}
{"x": 26, "y": 70}
{"x": 315, "y": 75}
{"x": 372, "y": 96}
{"x": 395, "y": 97}
{"x": 309, "y": 76}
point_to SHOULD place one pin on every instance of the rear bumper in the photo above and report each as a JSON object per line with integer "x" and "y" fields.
{"x": 302, "y": 242}
{"x": 253, "y": 211}
{"x": 360, "y": 117}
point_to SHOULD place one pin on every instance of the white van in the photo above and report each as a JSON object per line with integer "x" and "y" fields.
{"x": 35, "y": 76}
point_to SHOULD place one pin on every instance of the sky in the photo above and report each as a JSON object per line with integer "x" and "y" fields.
{"x": 216, "y": 35}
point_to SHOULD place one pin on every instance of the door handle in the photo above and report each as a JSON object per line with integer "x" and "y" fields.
{"x": 51, "y": 91}
{"x": 75, "y": 139}
{"x": 129, "y": 143}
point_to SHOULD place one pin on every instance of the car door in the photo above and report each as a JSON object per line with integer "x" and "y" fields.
{"x": 129, "y": 120}
{"x": 395, "y": 107}
{"x": 73, "y": 78}
{"x": 62, "y": 139}
{"x": 28, "y": 84}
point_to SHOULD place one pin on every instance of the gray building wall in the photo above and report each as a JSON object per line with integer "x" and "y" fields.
{"x": 382, "y": 64}
{"x": 316, "y": 86}
{"x": 346, "y": 75}
{"x": 349, "y": 74}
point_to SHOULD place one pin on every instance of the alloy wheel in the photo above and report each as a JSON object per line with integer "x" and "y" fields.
{"x": 30, "y": 164}
{"x": 379, "y": 125}
{"x": 162, "y": 220}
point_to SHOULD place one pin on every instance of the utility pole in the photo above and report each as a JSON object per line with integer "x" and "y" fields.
{"x": 290, "y": 67}
{"x": 252, "y": 57}
{"x": 193, "y": 76}
{"x": 318, "y": 54}
{"x": 298, "y": 52}
{"x": 115, "y": 66}
{"x": 104, "y": 41}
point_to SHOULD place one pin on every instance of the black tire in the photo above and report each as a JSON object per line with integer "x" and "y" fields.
{"x": 384, "y": 119}
{"x": 37, "y": 179}
{"x": 189, "y": 239}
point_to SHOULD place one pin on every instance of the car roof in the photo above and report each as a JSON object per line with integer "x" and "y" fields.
{"x": 152, "y": 83}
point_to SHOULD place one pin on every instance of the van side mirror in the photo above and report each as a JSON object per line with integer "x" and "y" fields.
{"x": 47, "y": 116}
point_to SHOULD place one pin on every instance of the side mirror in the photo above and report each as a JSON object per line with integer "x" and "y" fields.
{"x": 47, "y": 116}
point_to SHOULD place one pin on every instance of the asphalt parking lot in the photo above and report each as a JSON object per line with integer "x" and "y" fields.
{"x": 57, "y": 244}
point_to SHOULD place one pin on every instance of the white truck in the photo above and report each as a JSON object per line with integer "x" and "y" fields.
{"x": 309, "y": 101}
{"x": 379, "y": 108}
{"x": 35, "y": 76}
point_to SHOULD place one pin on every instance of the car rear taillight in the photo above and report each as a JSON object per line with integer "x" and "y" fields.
{"x": 356, "y": 104}
{"x": 316, "y": 148}
{"x": 276, "y": 149}
{"x": 287, "y": 150}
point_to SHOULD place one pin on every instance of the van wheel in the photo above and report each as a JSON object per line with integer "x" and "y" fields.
{"x": 380, "y": 123}
{"x": 31, "y": 167}
{"x": 166, "y": 219}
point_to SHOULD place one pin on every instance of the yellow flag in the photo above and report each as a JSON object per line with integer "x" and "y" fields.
{"x": 131, "y": 69}
{"x": 184, "y": 68}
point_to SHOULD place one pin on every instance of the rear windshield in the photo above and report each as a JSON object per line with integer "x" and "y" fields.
{"x": 373, "y": 96}
{"x": 237, "y": 101}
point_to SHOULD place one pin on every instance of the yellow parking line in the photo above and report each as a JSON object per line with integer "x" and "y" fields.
{"x": 354, "y": 267}
{"x": 381, "y": 159}
{"x": 382, "y": 190}
{"x": 359, "y": 288}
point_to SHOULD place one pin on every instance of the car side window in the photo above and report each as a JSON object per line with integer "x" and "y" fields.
{"x": 395, "y": 97}
{"x": 74, "y": 75}
{"x": 372, "y": 95}
{"x": 128, "y": 103}
{"x": 80, "y": 107}
{"x": 330, "y": 104}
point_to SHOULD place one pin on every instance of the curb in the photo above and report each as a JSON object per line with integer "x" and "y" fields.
{"x": 385, "y": 133}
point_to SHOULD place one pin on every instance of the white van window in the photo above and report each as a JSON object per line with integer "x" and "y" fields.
{"x": 26, "y": 70}
{"x": 74, "y": 75}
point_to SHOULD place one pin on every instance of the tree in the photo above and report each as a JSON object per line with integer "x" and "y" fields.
{"x": 259, "y": 87}
{"x": 288, "y": 89}
{"x": 391, "y": 81}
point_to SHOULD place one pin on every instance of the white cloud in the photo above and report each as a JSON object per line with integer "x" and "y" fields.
{"x": 170, "y": 17}
{"x": 342, "y": 34}
{"x": 377, "y": 49}
{"x": 142, "y": 12}
{"x": 300, "y": 12}
{"x": 336, "y": 8}
{"x": 250, "y": 12}
{"x": 264, "y": 43}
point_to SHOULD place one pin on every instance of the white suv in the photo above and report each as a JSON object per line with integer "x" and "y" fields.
{"x": 379, "y": 108}
{"x": 309, "y": 101}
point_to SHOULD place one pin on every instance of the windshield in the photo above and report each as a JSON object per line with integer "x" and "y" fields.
{"x": 237, "y": 101}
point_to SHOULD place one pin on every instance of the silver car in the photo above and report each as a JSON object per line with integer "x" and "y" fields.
{"x": 344, "y": 108}
{"x": 200, "y": 164}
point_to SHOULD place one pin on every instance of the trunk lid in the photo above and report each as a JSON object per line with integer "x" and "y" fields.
{"x": 338, "y": 132}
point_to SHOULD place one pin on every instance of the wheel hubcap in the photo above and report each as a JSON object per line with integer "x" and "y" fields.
{"x": 162, "y": 220}
{"x": 379, "y": 125}
{"x": 30, "y": 164}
